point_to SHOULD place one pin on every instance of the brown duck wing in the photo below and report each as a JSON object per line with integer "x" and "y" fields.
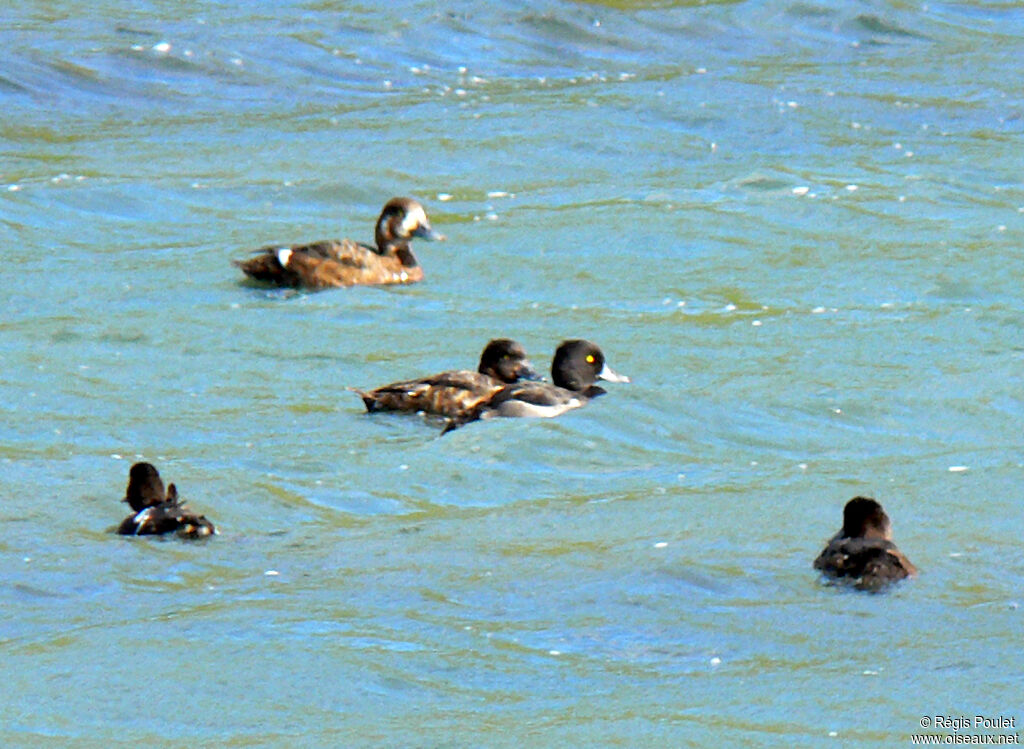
{"x": 167, "y": 517}
{"x": 350, "y": 263}
{"x": 445, "y": 394}
{"x": 883, "y": 567}
{"x": 326, "y": 264}
{"x": 299, "y": 264}
{"x": 161, "y": 518}
{"x": 869, "y": 564}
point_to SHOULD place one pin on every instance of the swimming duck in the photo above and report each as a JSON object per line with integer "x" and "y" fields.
{"x": 454, "y": 393}
{"x": 862, "y": 552}
{"x": 577, "y": 365}
{"x": 155, "y": 511}
{"x": 331, "y": 262}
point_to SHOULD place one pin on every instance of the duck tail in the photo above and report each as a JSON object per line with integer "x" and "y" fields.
{"x": 369, "y": 399}
{"x": 263, "y": 266}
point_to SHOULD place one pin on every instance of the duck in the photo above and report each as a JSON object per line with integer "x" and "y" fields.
{"x": 862, "y": 554}
{"x": 155, "y": 511}
{"x": 577, "y": 365}
{"x": 331, "y": 263}
{"x": 455, "y": 393}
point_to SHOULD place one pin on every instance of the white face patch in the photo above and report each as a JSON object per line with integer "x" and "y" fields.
{"x": 413, "y": 220}
{"x": 283, "y": 256}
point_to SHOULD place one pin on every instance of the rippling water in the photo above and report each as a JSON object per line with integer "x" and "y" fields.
{"x": 797, "y": 227}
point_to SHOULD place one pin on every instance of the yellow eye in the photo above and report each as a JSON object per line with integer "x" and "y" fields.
{"x": 590, "y": 358}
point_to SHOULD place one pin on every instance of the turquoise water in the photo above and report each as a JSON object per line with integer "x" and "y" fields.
{"x": 796, "y": 227}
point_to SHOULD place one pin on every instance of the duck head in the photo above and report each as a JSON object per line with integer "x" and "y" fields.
{"x": 505, "y": 360}
{"x": 863, "y": 517}
{"x": 401, "y": 220}
{"x": 145, "y": 488}
{"x": 578, "y": 364}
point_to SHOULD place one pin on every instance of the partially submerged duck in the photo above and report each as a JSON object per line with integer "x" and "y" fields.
{"x": 332, "y": 262}
{"x": 456, "y": 393}
{"x": 862, "y": 553}
{"x": 155, "y": 511}
{"x": 577, "y": 366}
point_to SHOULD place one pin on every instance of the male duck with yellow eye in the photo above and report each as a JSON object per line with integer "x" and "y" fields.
{"x": 577, "y": 365}
{"x": 862, "y": 552}
{"x": 332, "y": 262}
{"x": 155, "y": 512}
{"x": 457, "y": 392}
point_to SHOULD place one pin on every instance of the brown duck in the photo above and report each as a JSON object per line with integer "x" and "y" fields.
{"x": 578, "y": 364}
{"x": 332, "y": 262}
{"x": 155, "y": 512}
{"x": 862, "y": 553}
{"x": 458, "y": 392}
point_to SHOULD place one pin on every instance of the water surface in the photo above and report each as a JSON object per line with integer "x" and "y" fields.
{"x": 797, "y": 228}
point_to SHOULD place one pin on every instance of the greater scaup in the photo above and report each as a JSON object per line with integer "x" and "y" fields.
{"x": 577, "y": 365}
{"x": 862, "y": 553}
{"x": 458, "y": 392}
{"x": 155, "y": 511}
{"x": 331, "y": 263}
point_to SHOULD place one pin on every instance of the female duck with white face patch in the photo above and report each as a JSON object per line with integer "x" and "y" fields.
{"x": 332, "y": 262}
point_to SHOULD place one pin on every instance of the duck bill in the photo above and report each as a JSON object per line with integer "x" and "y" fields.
{"x": 425, "y": 231}
{"x": 525, "y": 371}
{"x": 610, "y": 375}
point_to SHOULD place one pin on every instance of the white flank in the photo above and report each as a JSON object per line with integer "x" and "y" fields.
{"x": 520, "y": 409}
{"x": 141, "y": 518}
